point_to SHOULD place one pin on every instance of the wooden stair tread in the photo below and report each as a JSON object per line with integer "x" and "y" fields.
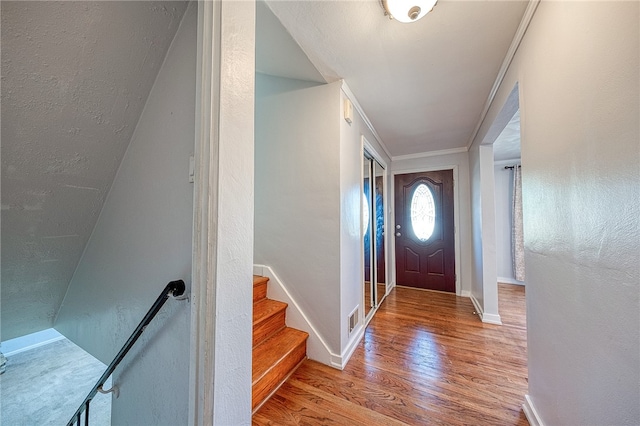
{"x": 266, "y": 308}
{"x": 257, "y": 280}
{"x": 273, "y": 350}
{"x": 259, "y": 288}
{"x": 277, "y": 349}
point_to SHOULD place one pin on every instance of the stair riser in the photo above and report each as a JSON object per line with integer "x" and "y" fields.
{"x": 277, "y": 374}
{"x": 269, "y": 326}
{"x": 259, "y": 291}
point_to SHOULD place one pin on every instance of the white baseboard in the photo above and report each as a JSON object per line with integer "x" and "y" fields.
{"x": 476, "y": 305}
{"x": 317, "y": 348}
{"x": 465, "y": 293}
{"x": 491, "y": 319}
{"x": 30, "y": 341}
{"x": 485, "y": 317}
{"x": 510, "y": 281}
{"x": 356, "y": 337}
{"x": 530, "y": 412}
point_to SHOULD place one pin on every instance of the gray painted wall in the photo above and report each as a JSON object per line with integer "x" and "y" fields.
{"x": 578, "y": 73}
{"x": 143, "y": 240}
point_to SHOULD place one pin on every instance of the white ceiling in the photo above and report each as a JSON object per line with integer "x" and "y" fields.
{"x": 75, "y": 77}
{"x": 423, "y": 85}
{"x": 507, "y": 145}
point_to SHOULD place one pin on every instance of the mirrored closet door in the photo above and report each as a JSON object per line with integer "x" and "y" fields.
{"x": 374, "y": 238}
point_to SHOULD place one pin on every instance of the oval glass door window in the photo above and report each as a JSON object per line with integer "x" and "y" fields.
{"x": 423, "y": 212}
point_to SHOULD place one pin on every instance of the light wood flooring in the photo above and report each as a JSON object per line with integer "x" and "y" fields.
{"x": 425, "y": 359}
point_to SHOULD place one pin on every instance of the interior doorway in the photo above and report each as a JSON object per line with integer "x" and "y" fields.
{"x": 424, "y": 230}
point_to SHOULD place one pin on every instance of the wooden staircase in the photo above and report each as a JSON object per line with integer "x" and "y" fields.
{"x": 277, "y": 349}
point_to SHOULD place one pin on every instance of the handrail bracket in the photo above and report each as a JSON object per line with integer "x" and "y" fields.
{"x": 114, "y": 390}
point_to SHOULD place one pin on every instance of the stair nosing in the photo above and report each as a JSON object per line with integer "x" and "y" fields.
{"x": 281, "y": 306}
{"x": 301, "y": 337}
{"x": 258, "y": 280}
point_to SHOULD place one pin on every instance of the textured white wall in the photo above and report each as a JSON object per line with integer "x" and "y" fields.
{"x": 230, "y": 221}
{"x": 297, "y": 194}
{"x": 488, "y": 232}
{"x": 484, "y": 285}
{"x": 75, "y": 79}
{"x": 578, "y": 72}
{"x": 143, "y": 240}
{"x": 461, "y": 160}
{"x": 477, "y": 290}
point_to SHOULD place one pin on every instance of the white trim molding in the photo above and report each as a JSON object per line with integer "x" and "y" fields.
{"x": 531, "y": 413}
{"x": 369, "y": 148}
{"x": 484, "y": 317}
{"x": 430, "y": 154}
{"x": 513, "y": 281}
{"x": 356, "y": 336}
{"x": 476, "y": 305}
{"x": 349, "y": 94}
{"x": 30, "y": 341}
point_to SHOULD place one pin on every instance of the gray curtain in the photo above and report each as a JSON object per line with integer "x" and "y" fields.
{"x": 517, "y": 235}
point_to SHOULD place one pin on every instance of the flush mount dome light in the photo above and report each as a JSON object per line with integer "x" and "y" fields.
{"x": 407, "y": 10}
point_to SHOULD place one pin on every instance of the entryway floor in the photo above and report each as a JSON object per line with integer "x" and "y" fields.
{"x": 46, "y": 385}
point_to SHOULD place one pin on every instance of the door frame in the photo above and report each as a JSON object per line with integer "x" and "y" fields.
{"x": 456, "y": 221}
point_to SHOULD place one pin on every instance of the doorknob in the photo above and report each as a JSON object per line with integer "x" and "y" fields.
{"x": 398, "y": 226}
{"x": 398, "y": 234}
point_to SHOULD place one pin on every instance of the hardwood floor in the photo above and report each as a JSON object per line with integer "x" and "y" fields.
{"x": 425, "y": 359}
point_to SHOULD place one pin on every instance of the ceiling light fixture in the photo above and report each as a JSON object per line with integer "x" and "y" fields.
{"x": 407, "y": 10}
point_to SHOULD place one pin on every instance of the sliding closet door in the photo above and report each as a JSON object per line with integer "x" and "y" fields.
{"x": 378, "y": 196}
{"x": 367, "y": 219}
{"x": 373, "y": 224}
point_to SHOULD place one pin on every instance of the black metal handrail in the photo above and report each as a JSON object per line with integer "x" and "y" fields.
{"x": 175, "y": 289}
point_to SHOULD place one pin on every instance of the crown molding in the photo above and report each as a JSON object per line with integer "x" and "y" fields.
{"x": 347, "y": 91}
{"x": 515, "y": 43}
{"x": 430, "y": 154}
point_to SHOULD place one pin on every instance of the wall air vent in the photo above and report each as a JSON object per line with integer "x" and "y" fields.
{"x": 353, "y": 320}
